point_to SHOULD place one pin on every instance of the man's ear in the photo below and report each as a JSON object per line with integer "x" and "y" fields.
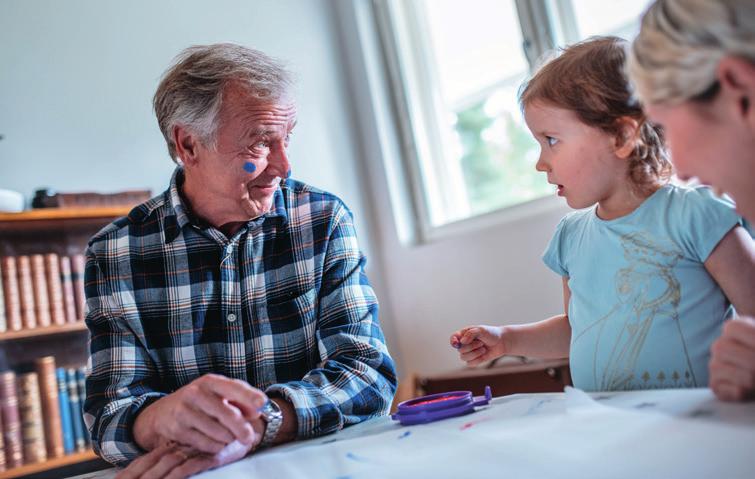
{"x": 187, "y": 144}
{"x": 737, "y": 78}
{"x": 626, "y": 138}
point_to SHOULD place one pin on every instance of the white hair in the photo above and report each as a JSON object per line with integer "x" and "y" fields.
{"x": 191, "y": 90}
{"x": 675, "y": 56}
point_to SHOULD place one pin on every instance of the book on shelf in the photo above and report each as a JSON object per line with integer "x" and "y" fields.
{"x": 78, "y": 264}
{"x": 81, "y": 381}
{"x": 39, "y": 285}
{"x": 65, "y": 411}
{"x": 38, "y": 291}
{"x": 48, "y": 392}
{"x": 14, "y": 456}
{"x": 55, "y": 289}
{"x": 78, "y": 422}
{"x": 2, "y": 446}
{"x": 32, "y": 427}
{"x": 68, "y": 296}
{"x": 37, "y": 420}
{"x": 26, "y": 292}
{"x": 3, "y": 322}
{"x": 11, "y": 293}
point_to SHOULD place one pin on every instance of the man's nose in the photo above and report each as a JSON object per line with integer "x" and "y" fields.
{"x": 278, "y": 161}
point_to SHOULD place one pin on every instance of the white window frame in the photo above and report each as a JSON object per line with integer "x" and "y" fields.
{"x": 418, "y": 115}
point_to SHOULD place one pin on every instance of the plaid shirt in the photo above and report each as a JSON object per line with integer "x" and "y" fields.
{"x": 284, "y": 304}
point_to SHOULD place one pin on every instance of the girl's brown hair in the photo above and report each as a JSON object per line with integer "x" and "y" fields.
{"x": 588, "y": 78}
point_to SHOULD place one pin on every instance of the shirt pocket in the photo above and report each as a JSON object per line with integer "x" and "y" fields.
{"x": 288, "y": 327}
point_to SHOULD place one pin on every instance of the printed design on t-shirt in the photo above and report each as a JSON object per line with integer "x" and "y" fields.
{"x": 648, "y": 290}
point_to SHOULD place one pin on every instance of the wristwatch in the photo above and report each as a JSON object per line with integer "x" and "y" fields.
{"x": 273, "y": 416}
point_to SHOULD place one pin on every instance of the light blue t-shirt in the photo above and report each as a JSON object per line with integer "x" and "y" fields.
{"x": 643, "y": 310}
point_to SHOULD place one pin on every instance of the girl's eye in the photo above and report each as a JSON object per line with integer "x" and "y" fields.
{"x": 550, "y": 140}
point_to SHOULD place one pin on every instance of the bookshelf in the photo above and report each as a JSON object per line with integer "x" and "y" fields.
{"x": 64, "y": 232}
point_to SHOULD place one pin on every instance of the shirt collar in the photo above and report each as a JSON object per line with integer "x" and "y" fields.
{"x": 179, "y": 216}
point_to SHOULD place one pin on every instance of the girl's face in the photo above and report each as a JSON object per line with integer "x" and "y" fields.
{"x": 579, "y": 160}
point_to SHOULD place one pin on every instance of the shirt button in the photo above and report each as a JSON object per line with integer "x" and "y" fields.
{"x": 231, "y": 317}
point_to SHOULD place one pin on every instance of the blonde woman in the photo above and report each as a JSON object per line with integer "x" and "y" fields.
{"x": 693, "y": 69}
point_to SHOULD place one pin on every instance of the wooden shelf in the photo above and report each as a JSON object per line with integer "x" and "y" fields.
{"x": 46, "y": 331}
{"x": 44, "y": 214}
{"x": 49, "y": 464}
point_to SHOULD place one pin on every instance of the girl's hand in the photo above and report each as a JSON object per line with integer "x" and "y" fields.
{"x": 478, "y": 344}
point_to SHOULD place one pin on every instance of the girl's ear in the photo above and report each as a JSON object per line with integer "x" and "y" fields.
{"x": 626, "y": 138}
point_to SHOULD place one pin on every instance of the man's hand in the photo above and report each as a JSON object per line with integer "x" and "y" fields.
{"x": 207, "y": 414}
{"x": 175, "y": 461}
{"x": 732, "y": 361}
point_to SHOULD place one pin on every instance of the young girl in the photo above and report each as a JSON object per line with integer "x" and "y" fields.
{"x": 650, "y": 270}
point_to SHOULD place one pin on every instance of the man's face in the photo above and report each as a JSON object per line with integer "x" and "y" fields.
{"x": 241, "y": 173}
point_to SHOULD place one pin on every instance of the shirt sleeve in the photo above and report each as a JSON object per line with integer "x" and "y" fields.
{"x": 356, "y": 378}
{"x": 118, "y": 386}
{"x": 554, "y": 252}
{"x": 705, "y": 219}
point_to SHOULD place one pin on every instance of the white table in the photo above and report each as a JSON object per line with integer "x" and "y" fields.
{"x": 661, "y": 433}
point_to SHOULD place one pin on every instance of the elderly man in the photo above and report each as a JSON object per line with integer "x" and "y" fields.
{"x": 231, "y": 312}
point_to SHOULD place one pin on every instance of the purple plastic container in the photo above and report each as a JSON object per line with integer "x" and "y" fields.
{"x": 439, "y": 406}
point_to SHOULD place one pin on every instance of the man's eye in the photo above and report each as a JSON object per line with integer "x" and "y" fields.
{"x": 260, "y": 145}
{"x": 550, "y": 140}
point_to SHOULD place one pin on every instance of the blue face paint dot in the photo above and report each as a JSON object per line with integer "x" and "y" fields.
{"x": 250, "y": 167}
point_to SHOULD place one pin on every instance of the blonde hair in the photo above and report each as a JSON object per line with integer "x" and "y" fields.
{"x": 588, "y": 79}
{"x": 675, "y": 56}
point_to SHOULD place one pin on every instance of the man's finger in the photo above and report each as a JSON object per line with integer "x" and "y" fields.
{"x": 219, "y": 420}
{"x": 193, "y": 466}
{"x": 169, "y": 461}
{"x": 239, "y": 392}
{"x": 143, "y": 463}
{"x": 201, "y": 441}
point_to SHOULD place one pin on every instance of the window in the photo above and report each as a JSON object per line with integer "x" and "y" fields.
{"x": 457, "y": 68}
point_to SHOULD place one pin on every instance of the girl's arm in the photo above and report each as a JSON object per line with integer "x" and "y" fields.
{"x": 546, "y": 339}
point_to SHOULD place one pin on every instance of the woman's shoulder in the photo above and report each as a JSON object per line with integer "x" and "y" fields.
{"x": 696, "y": 195}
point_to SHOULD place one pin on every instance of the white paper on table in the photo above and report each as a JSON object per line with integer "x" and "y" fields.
{"x": 569, "y": 435}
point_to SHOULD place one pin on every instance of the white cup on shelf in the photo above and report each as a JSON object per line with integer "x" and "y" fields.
{"x": 11, "y": 201}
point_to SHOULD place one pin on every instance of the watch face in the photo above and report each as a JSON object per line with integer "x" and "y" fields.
{"x": 270, "y": 410}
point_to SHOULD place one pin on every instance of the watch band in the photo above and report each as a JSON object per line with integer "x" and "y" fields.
{"x": 273, "y": 416}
